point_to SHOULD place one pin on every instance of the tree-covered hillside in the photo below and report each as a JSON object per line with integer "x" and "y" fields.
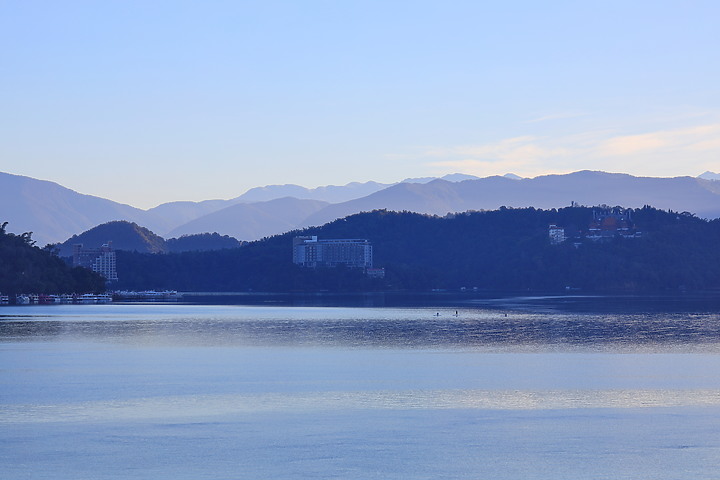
{"x": 123, "y": 235}
{"x": 200, "y": 242}
{"x": 131, "y": 236}
{"x": 25, "y": 268}
{"x": 501, "y": 249}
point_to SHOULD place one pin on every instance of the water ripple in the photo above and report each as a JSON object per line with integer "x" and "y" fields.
{"x": 203, "y": 406}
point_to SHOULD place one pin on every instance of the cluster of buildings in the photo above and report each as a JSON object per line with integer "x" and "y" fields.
{"x": 46, "y": 299}
{"x": 606, "y": 223}
{"x": 41, "y": 299}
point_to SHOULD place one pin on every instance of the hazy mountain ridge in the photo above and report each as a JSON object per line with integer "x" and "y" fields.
{"x": 334, "y": 193}
{"x": 328, "y": 193}
{"x": 450, "y": 177}
{"x": 710, "y": 176}
{"x": 252, "y": 221}
{"x": 264, "y": 218}
{"x": 176, "y": 214}
{"x": 55, "y": 213}
{"x": 168, "y": 216}
{"x": 549, "y": 191}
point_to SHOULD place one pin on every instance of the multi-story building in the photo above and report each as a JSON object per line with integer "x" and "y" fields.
{"x": 312, "y": 252}
{"x": 556, "y": 234}
{"x": 100, "y": 260}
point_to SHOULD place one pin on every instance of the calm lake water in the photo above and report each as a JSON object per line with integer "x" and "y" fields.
{"x": 511, "y": 388}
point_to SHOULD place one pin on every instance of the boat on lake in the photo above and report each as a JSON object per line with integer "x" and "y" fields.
{"x": 148, "y": 295}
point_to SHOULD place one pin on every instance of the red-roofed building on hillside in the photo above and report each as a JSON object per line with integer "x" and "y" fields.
{"x": 611, "y": 222}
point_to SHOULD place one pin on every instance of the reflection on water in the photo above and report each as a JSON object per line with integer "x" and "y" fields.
{"x": 686, "y": 303}
{"x": 196, "y": 407}
{"x": 438, "y": 327}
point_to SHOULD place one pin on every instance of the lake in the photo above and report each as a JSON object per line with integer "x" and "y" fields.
{"x": 369, "y": 387}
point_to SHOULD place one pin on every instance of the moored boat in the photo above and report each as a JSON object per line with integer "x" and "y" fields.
{"x": 148, "y": 295}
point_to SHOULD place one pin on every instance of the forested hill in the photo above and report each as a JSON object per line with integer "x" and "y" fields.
{"x": 25, "y": 268}
{"x": 501, "y": 249}
{"x": 131, "y": 236}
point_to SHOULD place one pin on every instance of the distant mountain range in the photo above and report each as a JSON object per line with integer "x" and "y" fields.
{"x": 698, "y": 196}
{"x": 253, "y": 220}
{"x": 54, "y": 213}
{"x": 710, "y": 176}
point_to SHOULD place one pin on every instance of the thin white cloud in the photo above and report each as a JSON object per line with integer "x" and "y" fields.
{"x": 706, "y": 146}
{"x": 670, "y": 152}
{"x": 698, "y": 138}
{"x": 556, "y": 116}
{"x": 509, "y": 149}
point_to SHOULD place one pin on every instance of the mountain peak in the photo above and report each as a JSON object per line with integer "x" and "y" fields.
{"x": 512, "y": 176}
{"x": 124, "y": 235}
{"x": 327, "y": 193}
{"x": 450, "y": 177}
{"x": 710, "y": 176}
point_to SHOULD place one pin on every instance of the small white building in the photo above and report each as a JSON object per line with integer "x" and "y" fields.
{"x": 100, "y": 260}
{"x": 556, "y": 234}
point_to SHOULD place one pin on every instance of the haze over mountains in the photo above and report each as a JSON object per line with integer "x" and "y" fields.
{"x": 54, "y": 213}
{"x": 550, "y": 191}
{"x": 253, "y": 220}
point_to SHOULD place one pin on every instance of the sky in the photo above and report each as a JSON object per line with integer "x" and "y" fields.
{"x": 145, "y": 102}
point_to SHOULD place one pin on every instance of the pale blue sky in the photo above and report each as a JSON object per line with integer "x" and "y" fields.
{"x": 145, "y": 102}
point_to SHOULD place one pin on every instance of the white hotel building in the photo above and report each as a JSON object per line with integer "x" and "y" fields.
{"x": 312, "y": 252}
